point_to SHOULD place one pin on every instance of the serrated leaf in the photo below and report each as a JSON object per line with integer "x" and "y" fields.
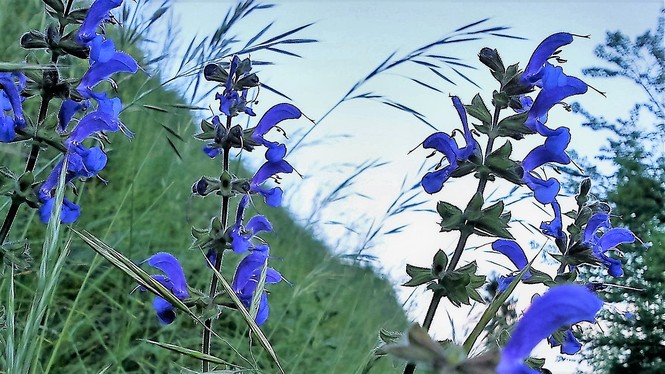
{"x": 513, "y": 126}
{"x": 472, "y": 212}
{"x": 419, "y": 275}
{"x": 479, "y": 110}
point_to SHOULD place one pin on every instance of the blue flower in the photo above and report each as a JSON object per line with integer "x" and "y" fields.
{"x": 69, "y": 212}
{"x": 555, "y": 85}
{"x": 433, "y": 181}
{"x": 82, "y": 162}
{"x": 516, "y": 255}
{"x": 560, "y": 306}
{"x": 569, "y": 346}
{"x": 173, "y": 279}
{"x": 610, "y": 238}
{"x": 554, "y": 228}
{"x": 271, "y": 118}
{"x": 98, "y": 12}
{"x": 104, "y": 62}
{"x": 241, "y": 236}
{"x": 534, "y": 70}
{"x": 11, "y": 85}
{"x": 67, "y": 110}
{"x": 272, "y": 196}
{"x": 553, "y": 150}
{"x": 246, "y": 280}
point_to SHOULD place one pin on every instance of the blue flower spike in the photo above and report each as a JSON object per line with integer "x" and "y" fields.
{"x": 173, "y": 279}
{"x": 561, "y": 306}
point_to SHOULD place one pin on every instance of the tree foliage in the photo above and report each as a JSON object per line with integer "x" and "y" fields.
{"x": 633, "y": 335}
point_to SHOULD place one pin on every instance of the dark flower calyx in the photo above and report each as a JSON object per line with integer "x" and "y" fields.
{"x": 215, "y": 73}
{"x": 490, "y": 58}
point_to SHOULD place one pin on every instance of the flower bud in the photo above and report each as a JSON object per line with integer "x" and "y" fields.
{"x": 490, "y": 58}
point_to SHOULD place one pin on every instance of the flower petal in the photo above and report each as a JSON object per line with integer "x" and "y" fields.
{"x": 165, "y": 311}
{"x": 96, "y": 14}
{"x": 541, "y": 54}
{"x": 170, "y": 266}
{"x": 560, "y": 306}
{"x": 272, "y": 117}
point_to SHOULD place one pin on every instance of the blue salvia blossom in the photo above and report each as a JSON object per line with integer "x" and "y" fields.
{"x": 173, "y": 279}
{"x": 553, "y": 150}
{"x": 242, "y": 235}
{"x": 246, "y": 279}
{"x": 433, "y": 181}
{"x": 98, "y": 12}
{"x": 83, "y": 162}
{"x": 559, "y": 307}
{"x": 11, "y": 85}
{"x": 515, "y": 254}
{"x": 607, "y": 241}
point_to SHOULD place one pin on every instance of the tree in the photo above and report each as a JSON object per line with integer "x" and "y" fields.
{"x": 634, "y": 341}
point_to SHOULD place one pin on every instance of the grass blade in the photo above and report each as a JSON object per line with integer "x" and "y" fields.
{"x": 190, "y": 352}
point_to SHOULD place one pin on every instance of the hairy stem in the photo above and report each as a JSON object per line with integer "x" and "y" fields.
{"x": 461, "y": 243}
{"x": 29, "y": 168}
{"x": 224, "y": 217}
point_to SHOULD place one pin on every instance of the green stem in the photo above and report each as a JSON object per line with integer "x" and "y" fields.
{"x": 224, "y": 216}
{"x": 461, "y": 243}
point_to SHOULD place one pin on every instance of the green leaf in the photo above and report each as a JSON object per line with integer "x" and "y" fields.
{"x": 501, "y": 165}
{"x": 538, "y": 276}
{"x": 472, "y": 212}
{"x": 479, "y": 110}
{"x": 419, "y": 275}
{"x": 493, "y": 222}
{"x": 460, "y": 285}
{"x": 451, "y": 216}
{"x": 513, "y": 126}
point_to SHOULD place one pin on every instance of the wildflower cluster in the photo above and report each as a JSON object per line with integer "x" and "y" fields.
{"x": 241, "y": 236}
{"x": 83, "y": 161}
{"x": 588, "y": 240}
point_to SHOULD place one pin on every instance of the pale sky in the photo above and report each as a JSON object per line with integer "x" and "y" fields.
{"x": 354, "y": 37}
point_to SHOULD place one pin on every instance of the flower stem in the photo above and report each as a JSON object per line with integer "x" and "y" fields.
{"x": 224, "y": 216}
{"x": 461, "y": 243}
{"x": 29, "y": 168}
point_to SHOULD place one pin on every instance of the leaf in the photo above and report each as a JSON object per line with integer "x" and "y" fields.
{"x": 452, "y": 217}
{"x": 502, "y": 166}
{"x": 419, "y": 275}
{"x": 479, "y": 110}
{"x": 513, "y": 126}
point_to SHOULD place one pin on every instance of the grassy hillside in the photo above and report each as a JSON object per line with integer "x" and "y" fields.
{"x": 326, "y": 322}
